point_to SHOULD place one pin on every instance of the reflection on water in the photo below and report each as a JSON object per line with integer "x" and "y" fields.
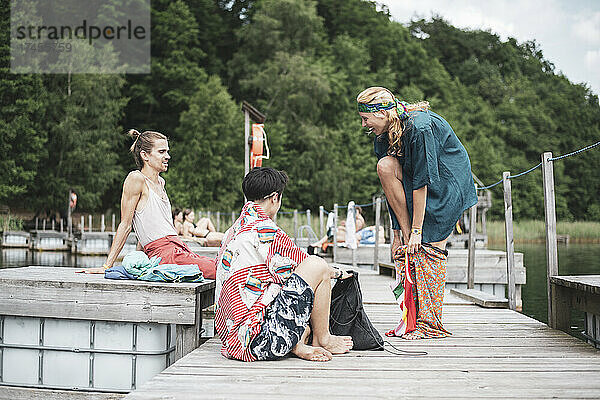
{"x": 24, "y": 257}
{"x": 573, "y": 259}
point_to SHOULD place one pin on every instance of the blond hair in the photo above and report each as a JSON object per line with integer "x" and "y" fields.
{"x": 378, "y": 94}
{"x": 143, "y": 142}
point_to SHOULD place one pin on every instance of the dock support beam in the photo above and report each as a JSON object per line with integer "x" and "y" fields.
{"x": 550, "y": 217}
{"x": 471, "y": 259}
{"x": 510, "y": 244}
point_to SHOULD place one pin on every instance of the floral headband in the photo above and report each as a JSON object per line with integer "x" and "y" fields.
{"x": 386, "y": 105}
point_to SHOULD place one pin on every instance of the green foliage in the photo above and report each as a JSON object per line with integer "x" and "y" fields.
{"x": 207, "y": 164}
{"x": 301, "y": 63}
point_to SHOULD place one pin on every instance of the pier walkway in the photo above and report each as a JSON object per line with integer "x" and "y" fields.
{"x": 493, "y": 353}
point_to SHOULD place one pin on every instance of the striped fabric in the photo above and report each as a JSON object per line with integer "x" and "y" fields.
{"x": 255, "y": 259}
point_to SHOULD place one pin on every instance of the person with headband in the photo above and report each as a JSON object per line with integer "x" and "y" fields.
{"x": 145, "y": 206}
{"x": 425, "y": 173}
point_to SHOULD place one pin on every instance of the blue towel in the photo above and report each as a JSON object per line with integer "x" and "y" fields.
{"x": 118, "y": 272}
{"x": 137, "y": 265}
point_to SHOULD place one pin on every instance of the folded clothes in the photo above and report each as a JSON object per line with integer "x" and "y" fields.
{"x": 137, "y": 265}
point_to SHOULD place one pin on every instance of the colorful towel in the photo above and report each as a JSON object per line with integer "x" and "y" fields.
{"x": 419, "y": 289}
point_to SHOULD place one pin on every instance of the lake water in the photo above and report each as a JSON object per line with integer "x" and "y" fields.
{"x": 573, "y": 259}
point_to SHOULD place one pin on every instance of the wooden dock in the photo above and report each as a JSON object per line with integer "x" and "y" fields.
{"x": 493, "y": 353}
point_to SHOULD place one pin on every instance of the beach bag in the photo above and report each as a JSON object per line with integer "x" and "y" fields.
{"x": 348, "y": 317}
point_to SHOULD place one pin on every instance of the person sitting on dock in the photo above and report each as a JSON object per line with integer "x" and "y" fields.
{"x": 145, "y": 206}
{"x": 178, "y": 221}
{"x": 204, "y": 230}
{"x": 267, "y": 288}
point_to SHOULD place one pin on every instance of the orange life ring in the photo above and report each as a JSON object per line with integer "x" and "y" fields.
{"x": 256, "y": 151}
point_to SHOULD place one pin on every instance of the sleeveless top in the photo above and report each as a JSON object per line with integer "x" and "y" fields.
{"x": 154, "y": 221}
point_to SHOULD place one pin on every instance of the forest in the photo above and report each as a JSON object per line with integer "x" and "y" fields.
{"x": 301, "y": 63}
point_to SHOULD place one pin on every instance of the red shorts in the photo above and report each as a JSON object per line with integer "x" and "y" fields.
{"x": 172, "y": 250}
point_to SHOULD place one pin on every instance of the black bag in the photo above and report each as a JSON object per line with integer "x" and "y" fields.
{"x": 348, "y": 318}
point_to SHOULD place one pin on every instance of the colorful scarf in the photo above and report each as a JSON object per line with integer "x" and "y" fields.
{"x": 419, "y": 290}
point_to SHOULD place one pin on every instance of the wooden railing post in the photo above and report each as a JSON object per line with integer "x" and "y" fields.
{"x": 377, "y": 225}
{"x": 321, "y": 222}
{"x": 335, "y": 223}
{"x": 232, "y": 217}
{"x": 218, "y": 221}
{"x": 550, "y": 217}
{"x": 82, "y": 223}
{"x": 112, "y": 225}
{"x": 308, "y": 219}
{"x": 471, "y": 259}
{"x": 510, "y": 244}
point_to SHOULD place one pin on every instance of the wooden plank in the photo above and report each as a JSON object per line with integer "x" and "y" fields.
{"x": 493, "y": 353}
{"x": 481, "y": 298}
{"x": 585, "y": 283}
{"x": 54, "y": 292}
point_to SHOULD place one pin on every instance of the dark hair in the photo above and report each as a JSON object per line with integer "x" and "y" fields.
{"x": 186, "y": 212}
{"x": 143, "y": 141}
{"x": 175, "y": 212}
{"x": 262, "y": 181}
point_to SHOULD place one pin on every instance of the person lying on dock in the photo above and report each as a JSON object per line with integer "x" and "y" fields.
{"x": 327, "y": 240}
{"x": 145, "y": 206}
{"x": 204, "y": 229}
{"x": 268, "y": 289}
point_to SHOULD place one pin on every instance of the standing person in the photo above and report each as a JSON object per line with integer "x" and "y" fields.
{"x": 425, "y": 173}
{"x": 267, "y": 288}
{"x": 145, "y": 206}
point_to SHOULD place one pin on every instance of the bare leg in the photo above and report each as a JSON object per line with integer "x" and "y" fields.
{"x": 390, "y": 176}
{"x": 214, "y": 239}
{"x": 310, "y": 353}
{"x": 315, "y": 271}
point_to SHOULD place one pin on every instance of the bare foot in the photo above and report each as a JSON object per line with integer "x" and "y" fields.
{"x": 413, "y": 335}
{"x": 311, "y": 353}
{"x": 335, "y": 344}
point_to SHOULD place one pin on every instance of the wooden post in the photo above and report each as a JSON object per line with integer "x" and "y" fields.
{"x": 102, "y": 227}
{"x": 308, "y": 219}
{"x": 510, "y": 244}
{"x": 36, "y": 223}
{"x": 321, "y": 222}
{"x": 44, "y": 224}
{"x": 377, "y": 224}
{"x": 82, "y": 224}
{"x": 551, "y": 249}
{"x": 232, "y": 217}
{"x": 218, "y": 221}
{"x": 53, "y": 224}
{"x": 61, "y": 225}
{"x": 471, "y": 262}
{"x": 90, "y": 222}
{"x": 112, "y": 225}
{"x": 296, "y": 226}
{"x": 335, "y": 221}
{"x": 246, "y": 145}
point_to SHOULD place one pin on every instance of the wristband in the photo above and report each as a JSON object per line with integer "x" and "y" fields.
{"x": 416, "y": 231}
{"x": 105, "y": 266}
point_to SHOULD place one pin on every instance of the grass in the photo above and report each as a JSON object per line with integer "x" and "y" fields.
{"x": 11, "y": 223}
{"x": 529, "y": 231}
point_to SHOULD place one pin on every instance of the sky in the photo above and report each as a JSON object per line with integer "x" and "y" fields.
{"x": 567, "y": 32}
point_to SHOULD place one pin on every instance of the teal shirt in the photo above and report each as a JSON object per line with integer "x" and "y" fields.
{"x": 432, "y": 156}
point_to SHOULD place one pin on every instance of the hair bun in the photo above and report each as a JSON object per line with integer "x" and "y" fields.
{"x": 133, "y": 133}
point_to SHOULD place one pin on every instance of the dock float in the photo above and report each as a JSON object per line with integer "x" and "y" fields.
{"x": 493, "y": 353}
{"x": 76, "y": 336}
